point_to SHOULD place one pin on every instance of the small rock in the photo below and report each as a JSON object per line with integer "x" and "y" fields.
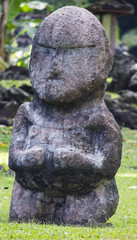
{"x": 1, "y": 168}
{"x": 9, "y": 109}
{"x": 121, "y": 72}
{"x": 126, "y": 119}
{"x": 4, "y": 122}
{"x": 15, "y": 72}
{"x": 128, "y": 96}
{"x": 133, "y": 83}
{"x": 11, "y": 172}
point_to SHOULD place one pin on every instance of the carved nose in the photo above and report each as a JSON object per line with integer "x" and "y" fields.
{"x": 56, "y": 67}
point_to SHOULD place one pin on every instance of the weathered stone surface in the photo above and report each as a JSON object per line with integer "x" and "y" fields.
{"x": 3, "y": 93}
{"x": 88, "y": 209}
{"x": 129, "y": 96}
{"x": 8, "y": 109}
{"x": 123, "y": 108}
{"x": 121, "y": 72}
{"x": 133, "y": 82}
{"x": 10, "y": 100}
{"x": 16, "y": 94}
{"x": 66, "y": 145}
{"x": 126, "y": 118}
{"x": 15, "y": 72}
{"x": 4, "y": 122}
{"x": 27, "y": 88}
{"x": 71, "y": 45}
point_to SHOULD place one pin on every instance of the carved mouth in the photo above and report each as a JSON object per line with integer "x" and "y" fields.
{"x": 54, "y": 79}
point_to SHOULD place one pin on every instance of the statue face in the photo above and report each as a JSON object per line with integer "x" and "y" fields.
{"x": 70, "y": 56}
{"x": 62, "y": 75}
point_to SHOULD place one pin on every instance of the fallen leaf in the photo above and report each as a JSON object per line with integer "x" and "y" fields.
{"x": 2, "y": 144}
{"x": 5, "y": 132}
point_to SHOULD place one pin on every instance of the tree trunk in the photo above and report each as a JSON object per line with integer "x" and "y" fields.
{"x": 3, "y": 19}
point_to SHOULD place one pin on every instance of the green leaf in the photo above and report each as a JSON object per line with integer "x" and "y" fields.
{"x": 25, "y": 8}
{"x": 13, "y": 10}
{"x": 37, "y": 5}
{"x": 20, "y": 33}
{"x": 31, "y": 31}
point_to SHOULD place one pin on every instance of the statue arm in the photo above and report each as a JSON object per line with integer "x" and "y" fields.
{"x": 19, "y": 155}
{"x": 101, "y": 153}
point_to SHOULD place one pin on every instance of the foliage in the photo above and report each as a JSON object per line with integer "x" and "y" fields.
{"x": 61, "y": 3}
{"x": 113, "y": 95}
{"x": 3, "y": 64}
{"x": 124, "y": 221}
{"x": 14, "y": 83}
{"x": 109, "y": 80}
{"x": 130, "y": 38}
{"x": 20, "y": 57}
{"x": 29, "y": 26}
{"x": 134, "y": 105}
{"x": 129, "y": 21}
{"x": 20, "y": 26}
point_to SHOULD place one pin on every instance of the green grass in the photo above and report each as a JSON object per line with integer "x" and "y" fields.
{"x": 129, "y": 156}
{"x": 14, "y": 83}
{"x": 124, "y": 221}
{"x": 5, "y": 137}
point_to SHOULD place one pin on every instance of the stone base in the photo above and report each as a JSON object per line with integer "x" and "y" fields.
{"x": 91, "y": 209}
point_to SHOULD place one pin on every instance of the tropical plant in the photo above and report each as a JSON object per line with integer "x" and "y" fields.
{"x": 18, "y": 26}
{"x": 130, "y": 38}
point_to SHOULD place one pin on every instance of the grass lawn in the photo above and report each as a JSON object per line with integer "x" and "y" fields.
{"x": 124, "y": 221}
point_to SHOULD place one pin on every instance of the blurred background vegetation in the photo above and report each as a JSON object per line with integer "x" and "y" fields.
{"x": 19, "y": 20}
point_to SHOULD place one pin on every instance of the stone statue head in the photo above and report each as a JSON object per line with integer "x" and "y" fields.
{"x": 70, "y": 56}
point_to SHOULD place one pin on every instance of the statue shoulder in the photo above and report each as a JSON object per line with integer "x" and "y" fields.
{"x": 24, "y": 115}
